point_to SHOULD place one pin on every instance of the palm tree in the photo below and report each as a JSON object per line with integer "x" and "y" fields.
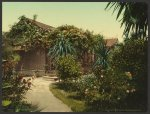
{"x": 135, "y": 16}
{"x": 62, "y": 47}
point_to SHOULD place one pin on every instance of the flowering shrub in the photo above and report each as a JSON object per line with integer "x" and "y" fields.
{"x": 131, "y": 57}
{"x": 86, "y": 84}
{"x": 105, "y": 91}
{"x": 68, "y": 68}
{"x": 13, "y": 87}
{"x": 97, "y": 70}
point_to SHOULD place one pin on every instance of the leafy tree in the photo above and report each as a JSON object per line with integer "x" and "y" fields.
{"x": 135, "y": 16}
{"x": 81, "y": 40}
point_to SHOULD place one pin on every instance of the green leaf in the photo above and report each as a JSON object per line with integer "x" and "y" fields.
{"x": 6, "y": 103}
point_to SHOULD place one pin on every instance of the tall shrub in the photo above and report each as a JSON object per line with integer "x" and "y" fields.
{"x": 68, "y": 68}
{"x": 132, "y": 57}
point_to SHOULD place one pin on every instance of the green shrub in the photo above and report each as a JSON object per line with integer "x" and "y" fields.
{"x": 112, "y": 87}
{"x": 97, "y": 70}
{"x": 85, "y": 84}
{"x": 14, "y": 87}
{"x": 68, "y": 68}
{"x": 102, "y": 51}
{"x": 132, "y": 57}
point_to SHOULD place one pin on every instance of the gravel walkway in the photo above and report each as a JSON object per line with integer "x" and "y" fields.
{"x": 41, "y": 95}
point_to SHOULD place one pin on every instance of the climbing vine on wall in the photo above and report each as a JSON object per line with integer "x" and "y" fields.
{"x": 29, "y": 35}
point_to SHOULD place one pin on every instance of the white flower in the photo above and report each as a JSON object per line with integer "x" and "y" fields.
{"x": 133, "y": 90}
{"x": 102, "y": 76}
{"x": 118, "y": 98}
{"x": 86, "y": 90}
{"x": 127, "y": 91}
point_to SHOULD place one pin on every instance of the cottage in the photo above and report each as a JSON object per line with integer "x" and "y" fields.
{"x": 37, "y": 60}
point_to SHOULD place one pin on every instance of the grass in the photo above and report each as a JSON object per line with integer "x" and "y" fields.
{"x": 68, "y": 98}
{"x": 78, "y": 105}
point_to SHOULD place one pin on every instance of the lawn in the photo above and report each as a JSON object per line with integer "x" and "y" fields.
{"x": 68, "y": 98}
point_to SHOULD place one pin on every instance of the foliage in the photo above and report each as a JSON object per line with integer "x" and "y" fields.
{"x": 13, "y": 90}
{"x": 68, "y": 86}
{"x": 22, "y": 107}
{"x": 97, "y": 70}
{"x": 62, "y": 47}
{"x": 102, "y": 54}
{"x": 13, "y": 86}
{"x": 10, "y": 58}
{"x": 28, "y": 35}
{"x": 68, "y": 98}
{"x": 132, "y": 57}
{"x": 68, "y": 68}
{"x": 7, "y": 49}
{"x": 135, "y": 16}
{"x": 111, "y": 90}
{"x": 85, "y": 84}
{"x": 6, "y": 103}
{"x": 81, "y": 40}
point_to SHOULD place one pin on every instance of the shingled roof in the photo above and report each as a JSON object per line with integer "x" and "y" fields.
{"x": 41, "y": 25}
{"x": 111, "y": 42}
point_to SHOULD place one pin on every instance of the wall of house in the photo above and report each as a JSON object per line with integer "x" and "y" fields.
{"x": 32, "y": 61}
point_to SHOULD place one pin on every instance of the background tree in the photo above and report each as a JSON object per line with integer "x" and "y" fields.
{"x": 80, "y": 39}
{"x": 135, "y": 16}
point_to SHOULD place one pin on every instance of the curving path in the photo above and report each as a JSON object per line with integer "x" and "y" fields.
{"x": 41, "y": 95}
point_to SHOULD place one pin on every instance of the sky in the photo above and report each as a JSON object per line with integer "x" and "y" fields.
{"x": 85, "y": 15}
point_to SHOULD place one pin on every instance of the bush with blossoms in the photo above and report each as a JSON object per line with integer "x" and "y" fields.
{"x": 14, "y": 87}
{"x": 132, "y": 57}
{"x": 112, "y": 89}
{"x": 85, "y": 84}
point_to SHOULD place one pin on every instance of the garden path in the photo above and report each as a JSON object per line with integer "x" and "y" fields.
{"x": 41, "y": 95}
